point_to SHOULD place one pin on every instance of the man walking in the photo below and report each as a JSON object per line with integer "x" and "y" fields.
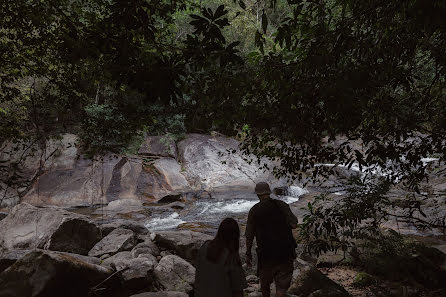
{"x": 270, "y": 221}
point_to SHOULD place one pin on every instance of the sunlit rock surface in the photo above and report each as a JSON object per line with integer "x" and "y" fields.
{"x": 201, "y": 164}
{"x": 208, "y": 166}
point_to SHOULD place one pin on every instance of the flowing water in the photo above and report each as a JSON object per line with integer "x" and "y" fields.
{"x": 210, "y": 212}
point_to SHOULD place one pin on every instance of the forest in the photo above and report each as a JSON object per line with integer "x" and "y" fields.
{"x": 314, "y": 92}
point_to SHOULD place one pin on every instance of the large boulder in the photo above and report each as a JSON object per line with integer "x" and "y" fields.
{"x": 81, "y": 183}
{"x": 9, "y": 257}
{"x": 47, "y": 274}
{"x": 163, "y": 177}
{"x": 135, "y": 226}
{"x": 310, "y": 282}
{"x": 184, "y": 243}
{"x": 175, "y": 274}
{"x": 118, "y": 240}
{"x": 29, "y": 158}
{"x": 136, "y": 273}
{"x": 146, "y": 247}
{"x": 207, "y": 166}
{"x": 161, "y": 294}
{"x": 29, "y": 227}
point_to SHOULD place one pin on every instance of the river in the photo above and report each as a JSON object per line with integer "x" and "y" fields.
{"x": 208, "y": 213}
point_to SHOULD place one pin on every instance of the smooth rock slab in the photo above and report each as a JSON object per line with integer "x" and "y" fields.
{"x": 29, "y": 227}
{"x": 118, "y": 240}
{"x": 48, "y": 273}
{"x": 185, "y": 243}
{"x": 175, "y": 274}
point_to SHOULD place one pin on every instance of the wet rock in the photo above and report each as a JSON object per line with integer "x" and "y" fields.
{"x": 310, "y": 282}
{"x": 175, "y": 274}
{"x": 118, "y": 240}
{"x": 47, "y": 273}
{"x": 185, "y": 243}
{"x": 9, "y": 257}
{"x": 161, "y": 294}
{"x": 28, "y": 227}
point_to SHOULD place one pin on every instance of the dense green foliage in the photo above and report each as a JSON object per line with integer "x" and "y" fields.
{"x": 289, "y": 72}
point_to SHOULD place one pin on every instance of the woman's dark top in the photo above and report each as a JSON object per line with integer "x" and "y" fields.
{"x": 218, "y": 279}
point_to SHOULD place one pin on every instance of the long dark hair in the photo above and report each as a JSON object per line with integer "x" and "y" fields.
{"x": 228, "y": 236}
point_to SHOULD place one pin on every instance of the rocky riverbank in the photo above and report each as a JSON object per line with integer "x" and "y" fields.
{"x": 53, "y": 252}
{"x": 125, "y": 225}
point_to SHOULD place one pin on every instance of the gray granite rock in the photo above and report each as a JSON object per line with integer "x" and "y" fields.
{"x": 49, "y": 273}
{"x": 185, "y": 243}
{"x": 175, "y": 274}
{"x": 118, "y": 240}
{"x": 28, "y": 227}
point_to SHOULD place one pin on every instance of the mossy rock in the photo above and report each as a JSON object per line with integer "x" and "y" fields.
{"x": 418, "y": 263}
{"x": 309, "y": 281}
{"x": 363, "y": 279}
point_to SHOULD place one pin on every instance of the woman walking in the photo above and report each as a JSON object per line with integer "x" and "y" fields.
{"x": 219, "y": 269}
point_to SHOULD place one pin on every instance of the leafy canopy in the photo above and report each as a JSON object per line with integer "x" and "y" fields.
{"x": 372, "y": 71}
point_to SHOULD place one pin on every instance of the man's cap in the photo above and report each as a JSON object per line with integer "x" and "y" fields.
{"x": 262, "y": 188}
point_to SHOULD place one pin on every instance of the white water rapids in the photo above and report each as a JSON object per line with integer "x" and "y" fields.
{"x": 211, "y": 211}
